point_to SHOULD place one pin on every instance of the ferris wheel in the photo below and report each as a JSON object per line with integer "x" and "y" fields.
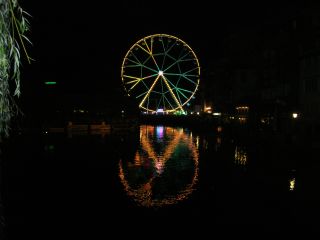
{"x": 162, "y": 72}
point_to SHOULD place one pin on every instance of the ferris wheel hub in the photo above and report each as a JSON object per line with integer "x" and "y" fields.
{"x": 160, "y": 73}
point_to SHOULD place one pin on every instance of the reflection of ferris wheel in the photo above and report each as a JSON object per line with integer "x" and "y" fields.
{"x": 147, "y": 180}
{"x": 162, "y": 72}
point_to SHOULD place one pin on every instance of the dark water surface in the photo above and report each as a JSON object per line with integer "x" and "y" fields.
{"x": 92, "y": 183}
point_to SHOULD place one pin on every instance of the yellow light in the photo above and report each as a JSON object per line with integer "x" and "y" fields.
{"x": 292, "y": 183}
{"x": 240, "y": 156}
{"x": 295, "y": 115}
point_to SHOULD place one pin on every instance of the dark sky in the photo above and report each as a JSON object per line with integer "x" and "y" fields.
{"x": 80, "y": 44}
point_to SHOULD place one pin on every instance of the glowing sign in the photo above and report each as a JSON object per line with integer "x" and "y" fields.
{"x": 50, "y": 83}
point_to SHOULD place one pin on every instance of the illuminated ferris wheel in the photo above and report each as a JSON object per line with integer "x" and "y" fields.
{"x": 162, "y": 72}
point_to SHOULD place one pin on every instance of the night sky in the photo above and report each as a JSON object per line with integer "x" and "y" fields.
{"x": 80, "y": 44}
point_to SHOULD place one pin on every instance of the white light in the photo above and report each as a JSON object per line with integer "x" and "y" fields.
{"x": 216, "y": 114}
{"x": 198, "y": 113}
{"x": 160, "y": 73}
{"x": 295, "y": 115}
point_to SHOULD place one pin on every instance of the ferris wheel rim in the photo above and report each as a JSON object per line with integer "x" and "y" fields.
{"x": 163, "y": 71}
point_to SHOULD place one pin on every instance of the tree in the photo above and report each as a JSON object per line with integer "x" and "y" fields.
{"x": 13, "y": 26}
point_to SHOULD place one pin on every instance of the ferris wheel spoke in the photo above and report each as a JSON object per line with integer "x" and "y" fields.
{"x": 169, "y": 81}
{"x": 170, "y": 66}
{"x": 149, "y": 91}
{"x": 163, "y": 60}
{"x": 190, "y": 80}
{"x": 181, "y": 58}
{"x": 179, "y": 90}
{"x": 185, "y": 90}
{"x": 172, "y": 93}
{"x": 173, "y": 74}
{"x": 135, "y": 57}
{"x": 191, "y": 75}
{"x": 137, "y": 80}
{"x": 149, "y": 52}
{"x": 164, "y": 54}
{"x": 193, "y": 69}
{"x": 169, "y": 49}
{"x": 178, "y": 95}
{"x": 172, "y": 107}
{"x": 138, "y": 64}
{"x": 142, "y": 94}
{"x": 176, "y": 62}
{"x": 159, "y": 101}
{"x": 184, "y": 49}
{"x": 145, "y": 61}
{"x": 183, "y": 75}
{"x": 186, "y": 60}
{"x": 174, "y": 59}
{"x": 146, "y": 50}
{"x": 143, "y": 64}
{"x": 151, "y": 45}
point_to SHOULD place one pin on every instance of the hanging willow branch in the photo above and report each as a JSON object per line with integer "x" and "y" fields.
{"x": 13, "y": 26}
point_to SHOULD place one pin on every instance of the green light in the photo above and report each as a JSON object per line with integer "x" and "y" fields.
{"x": 50, "y": 83}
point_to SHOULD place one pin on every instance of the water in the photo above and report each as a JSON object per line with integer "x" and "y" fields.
{"x": 94, "y": 182}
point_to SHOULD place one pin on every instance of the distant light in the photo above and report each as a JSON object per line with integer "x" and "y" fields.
{"x": 159, "y": 110}
{"x": 295, "y": 115}
{"x": 217, "y": 114}
{"x": 198, "y": 113}
{"x": 292, "y": 183}
{"x": 122, "y": 111}
{"x": 50, "y": 83}
{"x": 160, "y": 73}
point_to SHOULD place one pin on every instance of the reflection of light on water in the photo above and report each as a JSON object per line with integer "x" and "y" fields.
{"x": 292, "y": 183}
{"x": 150, "y": 165}
{"x": 159, "y": 166}
{"x": 240, "y": 156}
{"x": 159, "y": 131}
{"x": 197, "y": 142}
{"x": 137, "y": 160}
{"x": 218, "y": 143}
